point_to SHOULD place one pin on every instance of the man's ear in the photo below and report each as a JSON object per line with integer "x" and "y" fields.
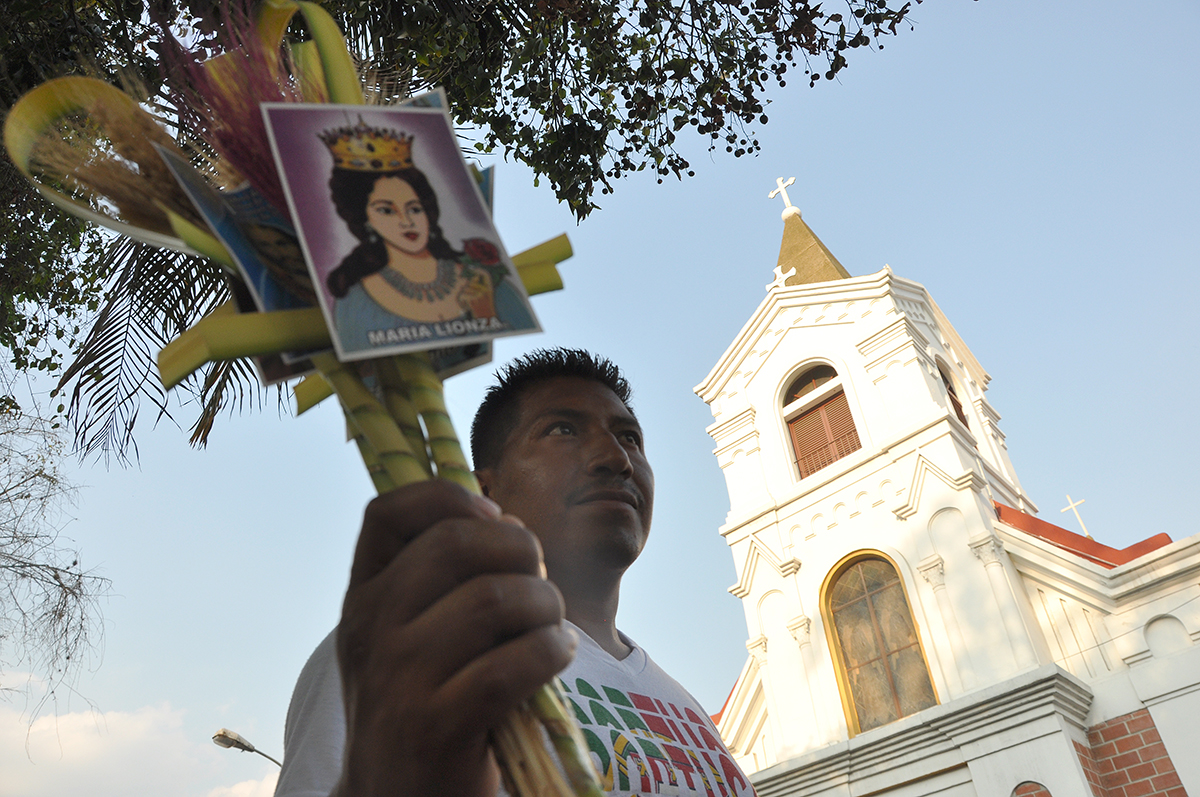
{"x": 484, "y": 477}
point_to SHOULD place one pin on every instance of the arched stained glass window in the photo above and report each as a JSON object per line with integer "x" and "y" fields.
{"x": 880, "y": 658}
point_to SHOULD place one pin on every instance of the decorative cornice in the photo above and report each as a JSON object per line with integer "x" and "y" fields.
{"x": 1112, "y": 590}
{"x": 987, "y": 549}
{"x": 985, "y": 408}
{"x": 901, "y": 332}
{"x": 733, "y": 431}
{"x": 954, "y": 342}
{"x": 968, "y": 480}
{"x": 933, "y": 570}
{"x": 758, "y": 551}
{"x": 948, "y": 736}
{"x": 856, "y": 289}
{"x": 800, "y": 628}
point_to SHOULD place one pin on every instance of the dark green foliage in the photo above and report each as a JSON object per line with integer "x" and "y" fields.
{"x": 49, "y": 262}
{"x": 585, "y": 91}
{"x": 46, "y": 285}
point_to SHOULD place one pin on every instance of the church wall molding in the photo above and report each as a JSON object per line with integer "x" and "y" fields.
{"x": 733, "y": 431}
{"x": 746, "y": 726}
{"x": 1172, "y": 566}
{"x": 847, "y": 480}
{"x": 1111, "y": 609}
{"x": 989, "y": 550}
{"x": 784, "y": 568}
{"x": 860, "y": 291}
{"x": 881, "y": 343}
{"x": 1042, "y": 710}
{"x": 832, "y": 479}
{"x": 1129, "y": 628}
{"x": 740, "y": 705}
{"x": 800, "y": 627}
{"x": 959, "y": 673}
{"x": 922, "y": 472}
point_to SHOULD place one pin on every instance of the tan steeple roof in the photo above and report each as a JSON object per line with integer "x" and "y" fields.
{"x": 803, "y": 259}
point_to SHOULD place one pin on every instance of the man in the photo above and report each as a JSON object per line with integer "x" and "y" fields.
{"x": 461, "y": 607}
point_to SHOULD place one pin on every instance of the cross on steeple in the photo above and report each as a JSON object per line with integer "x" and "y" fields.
{"x": 781, "y": 188}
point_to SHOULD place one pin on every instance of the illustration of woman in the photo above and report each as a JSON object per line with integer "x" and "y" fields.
{"x": 403, "y": 274}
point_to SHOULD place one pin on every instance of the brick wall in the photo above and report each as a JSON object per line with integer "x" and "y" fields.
{"x": 1127, "y": 759}
{"x": 1030, "y": 789}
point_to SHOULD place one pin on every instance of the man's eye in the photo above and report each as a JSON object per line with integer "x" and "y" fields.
{"x": 632, "y": 437}
{"x": 561, "y": 428}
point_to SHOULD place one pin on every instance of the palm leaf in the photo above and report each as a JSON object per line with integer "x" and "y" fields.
{"x": 151, "y": 296}
{"x": 226, "y": 382}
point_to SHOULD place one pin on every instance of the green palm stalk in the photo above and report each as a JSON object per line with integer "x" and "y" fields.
{"x": 396, "y": 399}
{"x": 369, "y": 417}
{"x": 379, "y": 475}
{"x": 425, "y": 389}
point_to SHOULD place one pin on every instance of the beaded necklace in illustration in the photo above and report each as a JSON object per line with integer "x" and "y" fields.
{"x": 437, "y": 288}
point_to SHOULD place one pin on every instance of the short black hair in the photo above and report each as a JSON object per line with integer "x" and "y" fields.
{"x": 497, "y": 413}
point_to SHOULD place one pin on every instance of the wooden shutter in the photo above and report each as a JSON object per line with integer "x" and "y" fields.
{"x": 958, "y": 409}
{"x": 954, "y": 402}
{"x": 824, "y": 435}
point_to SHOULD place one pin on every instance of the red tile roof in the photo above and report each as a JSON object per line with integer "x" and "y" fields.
{"x": 1078, "y": 544}
{"x": 716, "y": 718}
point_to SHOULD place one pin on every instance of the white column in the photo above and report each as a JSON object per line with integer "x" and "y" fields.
{"x": 800, "y": 628}
{"x": 987, "y": 550}
{"x": 961, "y": 675}
{"x": 757, "y": 648}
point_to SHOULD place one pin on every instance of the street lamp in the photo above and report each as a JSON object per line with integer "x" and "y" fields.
{"x": 227, "y": 738}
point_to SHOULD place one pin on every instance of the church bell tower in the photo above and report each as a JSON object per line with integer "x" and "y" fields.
{"x": 913, "y": 629}
{"x": 863, "y": 463}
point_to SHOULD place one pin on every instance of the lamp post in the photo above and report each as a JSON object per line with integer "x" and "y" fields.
{"x": 227, "y": 738}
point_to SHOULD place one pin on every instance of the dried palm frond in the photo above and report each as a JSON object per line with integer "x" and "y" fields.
{"x": 106, "y": 156}
{"x": 219, "y": 100}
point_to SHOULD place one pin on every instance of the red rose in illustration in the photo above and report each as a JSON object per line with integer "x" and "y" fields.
{"x": 482, "y": 252}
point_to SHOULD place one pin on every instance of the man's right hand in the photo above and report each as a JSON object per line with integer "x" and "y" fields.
{"x": 447, "y": 626}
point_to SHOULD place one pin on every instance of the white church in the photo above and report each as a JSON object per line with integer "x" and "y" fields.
{"x": 913, "y": 627}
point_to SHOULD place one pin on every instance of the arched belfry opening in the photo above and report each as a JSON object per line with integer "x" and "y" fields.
{"x": 952, "y": 394}
{"x": 819, "y": 421}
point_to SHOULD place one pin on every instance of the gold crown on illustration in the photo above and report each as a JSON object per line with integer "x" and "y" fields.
{"x": 364, "y": 148}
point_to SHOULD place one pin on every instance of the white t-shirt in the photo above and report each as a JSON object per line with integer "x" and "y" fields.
{"x": 646, "y": 734}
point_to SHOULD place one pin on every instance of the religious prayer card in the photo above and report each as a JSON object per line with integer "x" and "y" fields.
{"x": 254, "y": 234}
{"x": 394, "y": 228}
{"x": 245, "y": 223}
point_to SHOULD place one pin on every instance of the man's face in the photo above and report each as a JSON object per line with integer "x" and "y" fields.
{"x": 575, "y": 471}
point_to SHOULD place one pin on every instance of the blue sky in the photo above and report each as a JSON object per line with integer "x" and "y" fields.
{"x": 1033, "y": 165}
